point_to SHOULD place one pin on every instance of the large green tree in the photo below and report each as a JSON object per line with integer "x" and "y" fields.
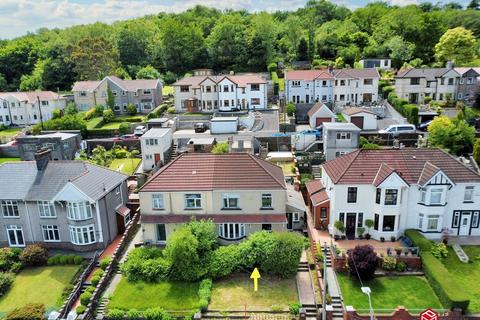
{"x": 458, "y": 45}
{"x": 456, "y": 136}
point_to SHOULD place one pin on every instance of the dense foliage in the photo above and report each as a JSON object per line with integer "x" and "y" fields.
{"x": 34, "y": 255}
{"x": 362, "y": 262}
{"x": 31, "y": 311}
{"x": 168, "y": 45}
{"x": 454, "y": 135}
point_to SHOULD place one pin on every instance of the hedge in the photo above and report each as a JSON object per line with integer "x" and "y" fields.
{"x": 205, "y": 294}
{"x": 31, "y": 311}
{"x": 419, "y": 240}
{"x": 409, "y": 111}
{"x": 102, "y": 132}
{"x": 448, "y": 291}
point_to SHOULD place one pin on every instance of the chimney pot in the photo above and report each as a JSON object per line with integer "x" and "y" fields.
{"x": 42, "y": 157}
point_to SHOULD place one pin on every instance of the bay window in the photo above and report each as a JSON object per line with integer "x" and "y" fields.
{"x": 436, "y": 195}
{"x": 420, "y": 221}
{"x": 423, "y": 195}
{"x": 46, "y": 209}
{"x": 391, "y": 196}
{"x": 79, "y": 211}
{"x": 193, "y": 201}
{"x": 231, "y": 231}
{"x": 378, "y": 196}
{"x": 432, "y": 222}
{"x": 388, "y": 223}
{"x": 9, "y": 208}
{"x": 82, "y": 235}
{"x": 231, "y": 201}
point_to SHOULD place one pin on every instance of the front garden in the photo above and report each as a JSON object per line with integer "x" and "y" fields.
{"x": 29, "y": 277}
{"x": 178, "y": 279}
{"x": 126, "y": 166}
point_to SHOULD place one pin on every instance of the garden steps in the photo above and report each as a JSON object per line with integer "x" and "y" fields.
{"x": 101, "y": 308}
{"x": 460, "y": 253}
{"x": 248, "y": 315}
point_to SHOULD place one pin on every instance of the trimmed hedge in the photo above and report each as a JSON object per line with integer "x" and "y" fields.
{"x": 409, "y": 111}
{"x": 419, "y": 240}
{"x": 205, "y": 294}
{"x": 31, "y": 311}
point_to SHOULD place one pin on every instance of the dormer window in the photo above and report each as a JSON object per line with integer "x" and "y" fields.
{"x": 391, "y": 196}
{"x": 436, "y": 195}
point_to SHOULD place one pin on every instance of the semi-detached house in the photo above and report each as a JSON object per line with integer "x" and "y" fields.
{"x": 399, "y": 189}
{"x": 220, "y": 93}
{"x": 69, "y": 205}
{"x": 239, "y": 192}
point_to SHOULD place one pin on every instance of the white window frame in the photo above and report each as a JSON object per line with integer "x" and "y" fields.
{"x": 15, "y": 228}
{"x": 10, "y": 209}
{"x": 267, "y": 196}
{"x": 197, "y": 201}
{"x": 231, "y": 231}
{"x": 431, "y": 218}
{"x": 82, "y": 235}
{"x": 423, "y": 195}
{"x": 397, "y": 198}
{"x": 226, "y": 201}
{"x": 436, "y": 190}
{"x": 158, "y": 202}
{"x": 295, "y": 217}
{"x": 117, "y": 190}
{"x": 46, "y": 209}
{"x": 421, "y": 217}
{"x": 468, "y": 195}
{"x": 344, "y": 136}
{"x": 147, "y": 91}
{"x": 78, "y": 211}
{"x": 50, "y": 233}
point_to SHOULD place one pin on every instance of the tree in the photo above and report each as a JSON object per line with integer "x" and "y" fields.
{"x": 101, "y": 156}
{"x": 220, "y": 148}
{"x": 33, "y": 81}
{"x": 474, "y": 5}
{"x": 108, "y": 115}
{"x": 476, "y": 151}
{"x": 181, "y": 250}
{"x": 458, "y": 45}
{"x": 400, "y": 50}
{"x": 456, "y": 136}
{"x": 291, "y": 109}
{"x": 94, "y": 58}
{"x": 131, "y": 109}
{"x": 261, "y": 41}
{"x": 71, "y": 109}
{"x": 110, "y": 98}
{"x": 148, "y": 72}
{"x": 302, "y": 50}
{"x": 133, "y": 43}
{"x": 362, "y": 262}
{"x": 3, "y": 83}
{"x": 124, "y": 127}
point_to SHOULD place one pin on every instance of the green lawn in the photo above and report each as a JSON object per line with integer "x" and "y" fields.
{"x": 166, "y": 90}
{"x": 172, "y": 296}
{"x": 38, "y": 285}
{"x": 234, "y": 292}
{"x": 413, "y": 292}
{"x": 126, "y": 166}
{"x": 3, "y": 160}
{"x": 287, "y": 167}
{"x": 93, "y": 123}
{"x": 7, "y": 134}
{"x": 466, "y": 274}
{"x": 111, "y": 125}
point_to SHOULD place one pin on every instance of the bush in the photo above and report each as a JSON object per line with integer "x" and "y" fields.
{"x": 90, "y": 289}
{"x": 131, "y": 109}
{"x": 78, "y": 260}
{"x": 294, "y": 308}
{"x": 85, "y": 298}
{"x": 34, "y": 255}
{"x": 99, "y": 273}
{"x": 115, "y": 314}
{"x": 16, "y": 267}
{"x": 419, "y": 240}
{"x": 362, "y": 262}
{"x": 134, "y": 314}
{"x": 108, "y": 115}
{"x": 205, "y": 293}
{"x": 137, "y": 267}
{"x": 439, "y": 251}
{"x": 156, "y": 314}
{"x": 31, "y": 311}
{"x": 91, "y": 113}
{"x": 124, "y": 128}
{"x": 80, "y": 309}
{"x": 8, "y": 256}
{"x": 171, "y": 110}
{"x": 291, "y": 109}
{"x": 401, "y": 266}
{"x": 272, "y": 67}
{"x": 56, "y": 113}
{"x": 95, "y": 280}
{"x": 155, "y": 269}
{"x": 98, "y": 110}
{"x": 389, "y": 263}
{"x": 6, "y": 280}
{"x": 105, "y": 262}
{"x": 224, "y": 261}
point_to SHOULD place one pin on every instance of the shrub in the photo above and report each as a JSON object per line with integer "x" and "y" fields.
{"x": 34, "y": 255}
{"x": 52, "y": 261}
{"x": 156, "y": 314}
{"x": 389, "y": 263}
{"x": 8, "y": 256}
{"x": 171, "y": 110}
{"x": 131, "y": 109}
{"x": 56, "y": 113}
{"x": 80, "y": 309}
{"x": 105, "y": 262}
{"x": 439, "y": 251}
{"x": 66, "y": 291}
{"x": 291, "y": 109}
{"x": 115, "y": 314}
{"x": 78, "y": 260}
{"x": 272, "y": 66}
{"x": 224, "y": 261}
{"x": 401, "y": 266}
{"x": 95, "y": 280}
{"x": 98, "y": 110}
{"x": 134, "y": 314}
{"x": 108, "y": 115}
{"x": 136, "y": 266}
{"x": 362, "y": 262}
{"x": 155, "y": 269}
{"x": 294, "y": 308}
{"x": 205, "y": 293}
{"x": 90, "y": 289}
{"x": 418, "y": 240}
{"x": 124, "y": 127}
{"x": 85, "y": 298}
{"x": 31, "y": 311}
{"x": 16, "y": 267}
{"x": 91, "y": 113}
{"x": 6, "y": 280}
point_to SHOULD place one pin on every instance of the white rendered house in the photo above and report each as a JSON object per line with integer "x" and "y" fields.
{"x": 399, "y": 189}
{"x": 155, "y": 144}
{"x": 309, "y": 86}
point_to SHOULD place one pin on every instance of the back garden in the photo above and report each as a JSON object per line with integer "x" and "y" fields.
{"x": 194, "y": 273}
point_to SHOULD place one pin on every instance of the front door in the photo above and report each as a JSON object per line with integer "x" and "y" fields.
{"x": 465, "y": 223}
{"x": 350, "y": 225}
{"x": 289, "y": 221}
{"x": 15, "y": 236}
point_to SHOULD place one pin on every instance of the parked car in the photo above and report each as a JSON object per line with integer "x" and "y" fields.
{"x": 396, "y": 129}
{"x": 424, "y": 125}
{"x": 129, "y": 137}
{"x": 140, "y": 130}
{"x": 200, "y": 127}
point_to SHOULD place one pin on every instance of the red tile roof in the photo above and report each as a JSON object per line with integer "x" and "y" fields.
{"x": 319, "y": 198}
{"x": 354, "y": 110}
{"x": 217, "y": 218}
{"x": 363, "y": 166}
{"x": 314, "y": 186}
{"x": 31, "y": 96}
{"x": 429, "y": 170}
{"x": 241, "y": 80}
{"x": 317, "y": 106}
{"x": 235, "y": 171}
{"x": 317, "y": 192}
{"x": 307, "y": 75}
{"x": 383, "y": 172}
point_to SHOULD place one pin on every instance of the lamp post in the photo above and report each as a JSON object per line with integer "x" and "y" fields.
{"x": 368, "y": 291}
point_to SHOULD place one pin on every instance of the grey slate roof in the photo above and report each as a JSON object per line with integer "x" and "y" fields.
{"x": 22, "y": 180}
{"x": 428, "y": 73}
{"x": 356, "y": 73}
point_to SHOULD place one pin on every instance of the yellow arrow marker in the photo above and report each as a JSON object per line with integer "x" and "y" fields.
{"x": 255, "y": 276}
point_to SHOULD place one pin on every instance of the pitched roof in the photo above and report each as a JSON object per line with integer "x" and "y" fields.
{"x": 354, "y": 110}
{"x": 32, "y": 96}
{"x": 235, "y": 171}
{"x": 428, "y": 73}
{"x": 241, "y": 80}
{"x": 127, "y": 85}
{"x": 383, "y": 172}
{"x": 319, "y": 197}
{"x": 24, "y": 181}
{"x": 463, "y": 70}
{"x": 363, "y": 166}
{"x": 356, "y": 73}
{"x": 317, "y": 106}
{"x": 307, "y": 75}
{"x": 340, "y": 126}
{"x": 429, "y": 170}
{"x": 314, "y": 186}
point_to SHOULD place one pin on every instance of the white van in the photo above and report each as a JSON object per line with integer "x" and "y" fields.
{"x": 396, "y": 129}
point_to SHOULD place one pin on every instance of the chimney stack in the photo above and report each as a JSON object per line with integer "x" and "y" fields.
{"x": 42, "y": 157}
{"x": 330, "y": 68}
{"x": 449, "y": 64}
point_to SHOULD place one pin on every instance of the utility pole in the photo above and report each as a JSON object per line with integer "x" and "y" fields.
{"x": 40, "y": 110}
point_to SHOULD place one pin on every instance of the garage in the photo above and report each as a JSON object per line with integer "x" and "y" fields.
{"x": 320, "y": 121}
{"x": 319, "y": 114}
{"x": 358, "y": 121}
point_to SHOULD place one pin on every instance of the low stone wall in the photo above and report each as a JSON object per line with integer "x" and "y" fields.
{"x": 402, "y": 314}
{"x": 8, "y": 151}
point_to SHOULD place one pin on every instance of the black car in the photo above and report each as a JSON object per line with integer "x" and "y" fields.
{"x": 200, "y": 127}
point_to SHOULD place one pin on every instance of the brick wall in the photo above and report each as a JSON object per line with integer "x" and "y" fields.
{"x": 402, "y": 314}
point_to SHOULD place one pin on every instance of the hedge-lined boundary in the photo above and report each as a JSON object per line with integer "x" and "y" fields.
{"x": 448, "y": 291}
{"x": 409, "y": 111}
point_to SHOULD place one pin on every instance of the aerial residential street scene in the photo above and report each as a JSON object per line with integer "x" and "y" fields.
{"x": 255, "y": 160}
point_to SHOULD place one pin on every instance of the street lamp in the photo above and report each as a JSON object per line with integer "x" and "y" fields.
{"x": 368, "y": 291}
